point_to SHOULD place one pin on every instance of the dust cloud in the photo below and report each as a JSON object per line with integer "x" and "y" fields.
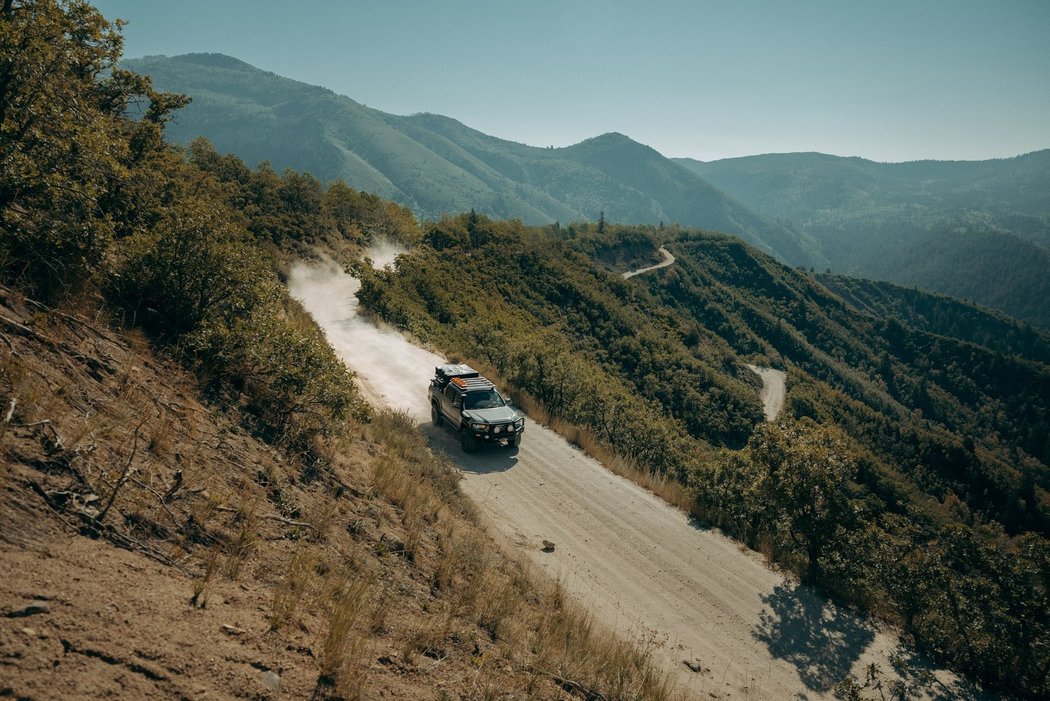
{"x": 383, "y": 252}
{"x": 390, "y": 370}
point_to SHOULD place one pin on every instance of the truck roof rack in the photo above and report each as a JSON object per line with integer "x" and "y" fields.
{"x": 469, "y": 383}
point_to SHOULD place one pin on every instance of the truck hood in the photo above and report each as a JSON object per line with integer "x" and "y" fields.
{"x": 499, "y": 415}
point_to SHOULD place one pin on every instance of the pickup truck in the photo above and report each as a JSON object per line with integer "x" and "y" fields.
{"x": 460, "y": 396}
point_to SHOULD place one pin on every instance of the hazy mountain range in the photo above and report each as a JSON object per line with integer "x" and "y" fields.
{"x": 976, "y": 230}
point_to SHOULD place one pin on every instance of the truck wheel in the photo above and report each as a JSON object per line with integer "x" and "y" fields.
{"x": 435, "y": 414}
{"x": 515, "y": 441}
{"x": 466, "y": 439}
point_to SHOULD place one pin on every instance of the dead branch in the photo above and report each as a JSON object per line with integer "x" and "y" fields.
{"x": 92, "y": 527}
{"x": 10, "y": 410}
{"x": 160, "y": 498}
{"x": 574, "y": 687}
{"x": 34, "y": 424}
{"x": 70, "y": 317}
{"x": 269, "y": 517}
{"x": 94, "y": 363}
{"x": 124, "y": 474}
{"x": 57, "y": 442}
{"x": 24, "y": 329}
{"x": 176, "y": 484}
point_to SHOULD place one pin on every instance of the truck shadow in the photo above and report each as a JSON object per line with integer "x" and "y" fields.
{"x": 487, "y": 459}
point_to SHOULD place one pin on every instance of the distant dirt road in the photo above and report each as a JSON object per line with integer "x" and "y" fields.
{"x": 642, "y": 567}
{"x": 773, "y": 390}
{"x": 668, "y": 259}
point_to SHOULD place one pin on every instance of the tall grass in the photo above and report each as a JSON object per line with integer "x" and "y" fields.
{"x": 342, "y": 667}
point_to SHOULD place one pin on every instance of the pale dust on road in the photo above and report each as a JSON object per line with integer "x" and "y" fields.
{"x": 641, "y": 566}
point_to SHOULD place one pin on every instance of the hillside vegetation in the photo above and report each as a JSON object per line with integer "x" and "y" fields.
{"x": 974, "y": 230}
{"x": 162, "y": 393}
{"x": 928, "y": 453}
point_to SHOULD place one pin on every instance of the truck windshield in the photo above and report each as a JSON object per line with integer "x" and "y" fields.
{"x": 488, "y": 399}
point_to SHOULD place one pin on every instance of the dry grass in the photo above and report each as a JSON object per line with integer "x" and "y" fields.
{"x": 321, "y": 517}
{"x": 584, "y": 657}
{"x": 673, "y": 492}
{"x": 201, "y": 584}
{"x": 290, "y": 593}
{"x": 246, "y": 541}
{"x": 342, "y": 665}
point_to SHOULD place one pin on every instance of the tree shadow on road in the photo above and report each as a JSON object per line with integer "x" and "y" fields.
{"x": 487, "y": 458}
{"x": 820, "y": 639}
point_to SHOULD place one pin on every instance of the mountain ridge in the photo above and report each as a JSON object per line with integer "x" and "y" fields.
{"x": 437, "y": 165}
{"x": 978, "y": 230}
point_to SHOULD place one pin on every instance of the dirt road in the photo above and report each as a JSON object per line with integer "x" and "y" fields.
{"x": 668, "y": 260}
{"x": 773, "y": 390}
{"x": 641, "y": 566}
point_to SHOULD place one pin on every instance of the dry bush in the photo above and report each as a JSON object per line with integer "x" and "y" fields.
{"x": 342, "y": 665}
{"x": 290, "y": 592}
{"x": 502, "y": 599}
{"x": 245, "y": 542}
{"x": 669, "y": 490}
{"x": 201, "y": 584}
{"x": 321, "y": 516}
{"x": 161, "y": 435}
{"x": 583, "y": 657}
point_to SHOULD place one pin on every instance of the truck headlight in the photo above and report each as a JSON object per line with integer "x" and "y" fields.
{"x": 479, "y": 427}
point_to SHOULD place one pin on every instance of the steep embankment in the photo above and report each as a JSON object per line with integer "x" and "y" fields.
{"x": 641, "y": 566}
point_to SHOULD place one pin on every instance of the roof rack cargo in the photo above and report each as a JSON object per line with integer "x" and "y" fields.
{"x": 444, "y": 373}
{"x": 447, "y": 372}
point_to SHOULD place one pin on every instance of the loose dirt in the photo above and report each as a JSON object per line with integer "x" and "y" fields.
{"x": 713, "y": 613}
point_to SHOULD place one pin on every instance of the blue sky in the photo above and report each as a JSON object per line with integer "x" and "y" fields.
{"x": 887, "y": 80}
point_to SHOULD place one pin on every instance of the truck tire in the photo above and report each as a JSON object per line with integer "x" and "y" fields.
{"x": 466, "y": 439}
{"x": 435, "y": 414}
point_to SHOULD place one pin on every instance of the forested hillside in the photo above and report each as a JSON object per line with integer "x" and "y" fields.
{"x": 941, "y": 315}
{"x": 974, "y": 230}
{"x": 929, "y": 451}
{"x": 436, "y": 165}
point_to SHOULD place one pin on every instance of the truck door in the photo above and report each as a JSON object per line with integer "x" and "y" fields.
{"x": 452, "y": 404}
